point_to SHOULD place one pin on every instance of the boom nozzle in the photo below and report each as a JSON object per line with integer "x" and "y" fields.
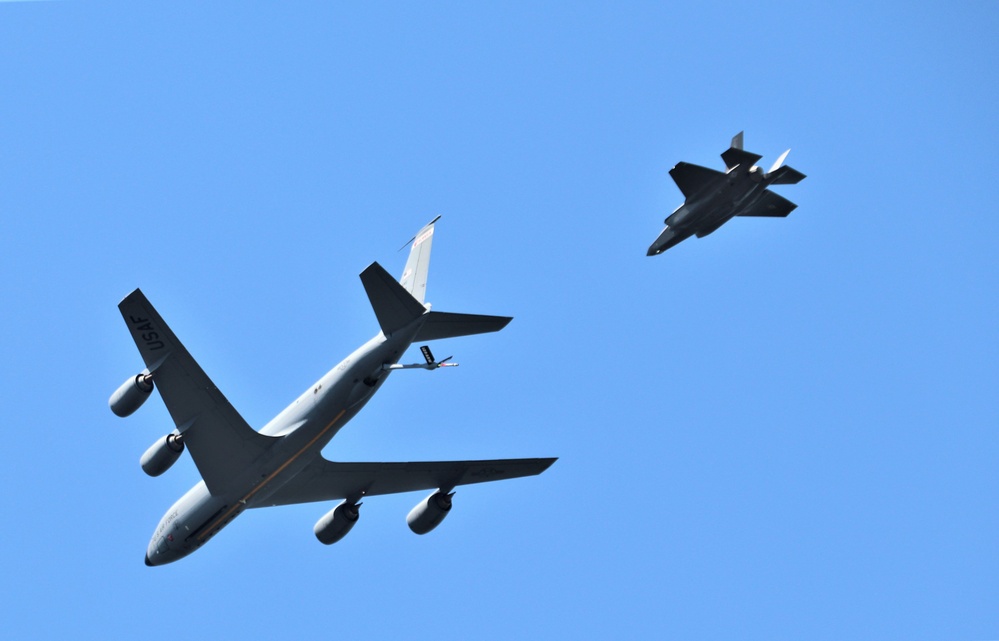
{"x": 430, "y": 363}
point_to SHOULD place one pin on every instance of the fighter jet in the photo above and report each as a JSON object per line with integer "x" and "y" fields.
{"x": 281, "y": 464}
{"x": 713, "y": 197}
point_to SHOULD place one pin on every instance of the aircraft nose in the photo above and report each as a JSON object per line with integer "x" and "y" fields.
{"x": 148, "y": 562}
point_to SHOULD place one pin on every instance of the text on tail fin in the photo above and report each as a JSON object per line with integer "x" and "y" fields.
{"x": 414, "y": 276}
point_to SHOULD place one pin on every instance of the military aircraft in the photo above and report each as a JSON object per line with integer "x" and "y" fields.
{"x": 713, "y": 197}
{"x": 281, "y": 464}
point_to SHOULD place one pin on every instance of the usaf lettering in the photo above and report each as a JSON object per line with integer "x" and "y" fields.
{"x": 150, "y": 337}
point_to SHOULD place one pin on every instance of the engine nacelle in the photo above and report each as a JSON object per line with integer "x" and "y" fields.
{"x": 131, "y": 395}
{"x": 677, "y": 217}
{"x": 337, "y": 522}
{"x": 429, "y": 512}
{"x": 757, "y": 173}
{"x": 162, "y": 454}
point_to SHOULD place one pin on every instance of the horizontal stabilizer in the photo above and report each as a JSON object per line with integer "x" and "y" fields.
{"x": 448, "y": 325}
{"x": 693, "y": 178}
{"x": 786, "y": 176}
{"x": 770, "y": 205}
{"x": 394, "y": 306}
{"x": 733, "y": 157}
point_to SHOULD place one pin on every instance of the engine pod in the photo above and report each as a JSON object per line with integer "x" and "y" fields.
{"x": 429, "y": 512}
{"x": 162, "y": 454}
{"x": 131, "y": 395}
{"x": 336, "y": 523}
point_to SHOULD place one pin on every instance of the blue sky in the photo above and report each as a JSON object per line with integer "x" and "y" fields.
{"x": 786, "y": 430}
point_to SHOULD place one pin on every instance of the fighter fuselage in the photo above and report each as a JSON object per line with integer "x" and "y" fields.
{"x": 710, "y": 208}
{"x": 712, "y": 198}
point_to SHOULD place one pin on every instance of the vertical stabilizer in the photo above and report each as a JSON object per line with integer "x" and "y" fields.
{"x": 397, "y": 304}
{"x": 414, "y": 276}
{"x": 778, "y": 162}
{"x": 736, "y": 155}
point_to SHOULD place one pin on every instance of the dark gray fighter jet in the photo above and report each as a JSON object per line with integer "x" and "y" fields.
{"x": 713, "y": 197}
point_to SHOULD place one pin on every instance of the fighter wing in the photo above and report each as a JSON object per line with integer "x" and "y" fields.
{"x": 220, "y": 441}
{"x": 324, "y": 480}
{"x": 770, "y": 204}
{"x": 692, "y": 178}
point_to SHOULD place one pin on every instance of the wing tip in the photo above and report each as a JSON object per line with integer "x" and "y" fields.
{"x": 134, "y": 295}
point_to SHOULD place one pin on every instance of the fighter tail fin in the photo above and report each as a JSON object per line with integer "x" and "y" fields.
{"x": 736, "y": 155}
{"x": 778, "y": 162}
{"x": 781, "y": 174}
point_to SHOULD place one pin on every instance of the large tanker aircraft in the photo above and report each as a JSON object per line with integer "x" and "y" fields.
{"x": 281, "y": 464}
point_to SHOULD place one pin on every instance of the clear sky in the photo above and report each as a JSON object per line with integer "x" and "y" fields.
{"x": 786, "y": 430}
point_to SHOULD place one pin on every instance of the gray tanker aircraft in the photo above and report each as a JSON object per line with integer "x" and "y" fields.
{"x": 281, "y": 464}
{"x": 713, "y": 197}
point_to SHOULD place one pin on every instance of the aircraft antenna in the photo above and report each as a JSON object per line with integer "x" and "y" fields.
{"x": 406, "y": 244}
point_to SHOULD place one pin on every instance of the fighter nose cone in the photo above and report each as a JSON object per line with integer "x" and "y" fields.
{"x": 148, "y": 562}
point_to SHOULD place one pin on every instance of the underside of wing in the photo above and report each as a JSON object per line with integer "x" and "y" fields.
{"x": 771, "y": 205}
{"x": 693, "y": 178}
{"x": 324, "y": 480}
{"x": 221, "y": 443}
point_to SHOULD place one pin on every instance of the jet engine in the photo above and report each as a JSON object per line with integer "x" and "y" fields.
{"x": 675, "y": 218}
{"x": 429, "y": 512}
{"x": 337, "y": 522}
{"x": 131, "y": 395}
{"x": 757, "y": 173}
{"x": 162, "y": 454}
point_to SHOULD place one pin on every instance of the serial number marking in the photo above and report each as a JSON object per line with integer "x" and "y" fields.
{"x": 422, "y": 237}
{"x": 486, "y": 472}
